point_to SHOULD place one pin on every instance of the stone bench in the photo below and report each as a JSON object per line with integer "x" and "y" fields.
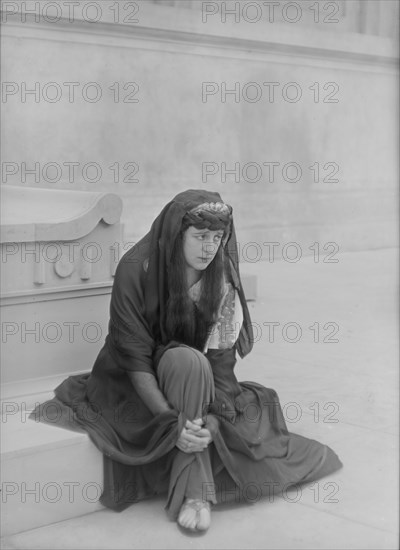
{"x": 58, "y": 252}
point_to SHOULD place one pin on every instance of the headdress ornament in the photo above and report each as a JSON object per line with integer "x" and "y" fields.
{"x": 213, "y": 207}
{"x": 216, "y": 215}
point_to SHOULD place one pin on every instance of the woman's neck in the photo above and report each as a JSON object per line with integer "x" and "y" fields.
{"x": 192, "y": 276}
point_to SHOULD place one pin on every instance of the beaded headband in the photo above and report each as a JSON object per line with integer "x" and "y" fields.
{"x": 215, "y": 215}
{"x": 213, "y": 208}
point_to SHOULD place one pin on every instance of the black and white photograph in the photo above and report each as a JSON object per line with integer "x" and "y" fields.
{"x": 199, "y": 274}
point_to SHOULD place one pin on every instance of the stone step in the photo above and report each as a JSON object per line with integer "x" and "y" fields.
{"x": 23, "y": 395}
{"x": 48, "y": 474}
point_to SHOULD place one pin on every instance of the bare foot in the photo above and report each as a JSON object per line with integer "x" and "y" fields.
{"x": 195, "y": 515}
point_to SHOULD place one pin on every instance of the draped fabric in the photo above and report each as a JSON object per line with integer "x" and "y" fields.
{"x": 251, "y": 443}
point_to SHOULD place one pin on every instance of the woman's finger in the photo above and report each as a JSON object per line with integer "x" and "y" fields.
{"x": 192, "y": 438}
{"x": 192, "y": 426}
{"x": 198, "y": 421}
{"x": 203, "y": 433}
{"x": 190, "y": 447}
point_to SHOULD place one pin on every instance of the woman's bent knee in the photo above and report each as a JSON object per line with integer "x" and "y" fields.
{"x": 184, "y": 359}
{"x": 187, "y": 373}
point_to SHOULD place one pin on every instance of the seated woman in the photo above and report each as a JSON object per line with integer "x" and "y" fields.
{"x": 162, "y": 401}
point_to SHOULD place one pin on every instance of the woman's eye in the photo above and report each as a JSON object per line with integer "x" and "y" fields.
{"x": 217, "y": 238}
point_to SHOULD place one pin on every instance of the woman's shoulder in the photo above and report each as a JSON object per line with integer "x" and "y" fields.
{"x": 134, "y": 262}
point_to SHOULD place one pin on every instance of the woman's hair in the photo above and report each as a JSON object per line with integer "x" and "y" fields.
{"x": 189, "y": 323}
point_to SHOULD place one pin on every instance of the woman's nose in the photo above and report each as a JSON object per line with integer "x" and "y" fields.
{"x": 209, "y": 248}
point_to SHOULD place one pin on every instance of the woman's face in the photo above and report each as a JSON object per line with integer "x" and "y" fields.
{"x": 200, "y": 247}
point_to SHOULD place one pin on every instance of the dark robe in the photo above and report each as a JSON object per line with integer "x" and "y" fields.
{"x": 252, "y": 452}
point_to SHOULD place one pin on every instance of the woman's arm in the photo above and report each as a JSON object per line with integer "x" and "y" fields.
{"x": 147, "y": 388}
{"x": 193, "y": 437}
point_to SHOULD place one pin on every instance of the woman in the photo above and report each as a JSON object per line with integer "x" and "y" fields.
{"x": 162, "y": 401}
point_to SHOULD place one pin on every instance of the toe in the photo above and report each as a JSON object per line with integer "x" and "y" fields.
{"x": 204, "y": 520}
{"x": 187, "y": 518}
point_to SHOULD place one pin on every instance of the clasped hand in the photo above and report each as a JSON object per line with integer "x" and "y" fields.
{"x": 194, "y": 438}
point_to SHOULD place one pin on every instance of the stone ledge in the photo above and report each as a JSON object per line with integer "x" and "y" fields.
{"x": 24, "y": 395}
{"x": 55, "y": 293}
{"x": 161, "y": 23}
{"x": 22, "y": 436}
{"x": 48, "y": 474}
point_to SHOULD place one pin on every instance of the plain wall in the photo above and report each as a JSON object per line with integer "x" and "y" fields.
{"x": 172, "y": 130}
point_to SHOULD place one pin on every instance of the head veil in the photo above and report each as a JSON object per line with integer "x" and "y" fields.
{"x": 161, "y": 239}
